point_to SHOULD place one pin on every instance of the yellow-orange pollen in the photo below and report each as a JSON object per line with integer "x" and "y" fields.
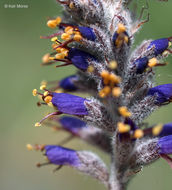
{"x": 34, "y": 92}
{"x": 157, "y": 129}
{"x": 71, "y": 5}
{"x": 54, "y": 22}
{"x": 29, "y": 147}
{"x": 42, "y": 87}
{"x": 48, "y": 99}
{"x": 113, "y": 65}
{"x": 138, "y": 133}
{"x": 123, "y": 128}
{"x": 124, "y": 111}
{"x": 110, "y": 81}
{"x": 45, "y": 58}
{"x": 152, "y": 62}
{"x": 71, "y": 33}
{"x": 122, "y": 37}
{"x": 61, "y": 51}
{"x": 116, "y": 92}
{"x": 37, "y": 124}
{"x": 90, "y": 69}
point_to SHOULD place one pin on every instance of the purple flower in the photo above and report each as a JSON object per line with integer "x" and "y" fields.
{"x": 87, "y": 33}
{"x": 160, "y": 45}
{"x": 80, "y": 58}
{"x": 72, "y": 124}
{"x": 61, "y": 156}
{"x": 69, "y": 104}
{"x": 141, "y": 64}
{"x": 116, "y": 36}
{"x": 163, "y": 93}
{"x": 68, "y": 83}
{"x": 166, "y": 130}
{"x": 165, "y": 145}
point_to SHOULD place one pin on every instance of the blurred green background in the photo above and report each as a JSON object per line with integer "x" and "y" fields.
{"x": 21, "y": 50}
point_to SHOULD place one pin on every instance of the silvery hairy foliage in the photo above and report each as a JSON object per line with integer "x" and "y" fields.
{"x": 96, "y": 37}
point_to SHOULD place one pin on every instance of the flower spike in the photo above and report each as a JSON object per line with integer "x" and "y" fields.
{"x": 117, "y": 87}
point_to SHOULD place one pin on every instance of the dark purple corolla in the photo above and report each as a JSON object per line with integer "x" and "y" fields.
{"x": 69, "y": 104}
{"x": 165, "y": 145}
{"x": 72, "y": 124}
{"x": 80, "y": 59}
{"x": 61, "y": 156}
{"x": 166, "y": 130}
{"x": 68, "y": 83}
{"x": 87, "y": 33}
{"x": 141, "y": 65}
{"x": 160, "y": 45}
{"x": 163, "y": 93}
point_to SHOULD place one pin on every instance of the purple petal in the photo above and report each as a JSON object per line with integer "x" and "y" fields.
{"x": 72, "y": 124}
{"x": 68, "y": 83}
{"x": 80, "y": 58}
{"x": 69, "y": 104}
{"x": 165, "y": 145}
{"x": 163, "y": 92}
{"x": 141, "y": 64}
{"x": 166, "y": 130}
{"x": 61, "y": 156}
{"x": 87, "y": 33}
{"x": 160, "y": 45}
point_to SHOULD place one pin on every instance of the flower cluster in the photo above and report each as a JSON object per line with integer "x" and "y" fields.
{"x": 96, "y": 37}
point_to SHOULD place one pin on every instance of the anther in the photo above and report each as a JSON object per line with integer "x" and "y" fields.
{"x": 51, "y": 23}
{"x": 54, "y": 39}
{"x": 123, "y": 128}
{"x": 65, "y": 36}
{"x": 138, "y": 133}
{"x": 152, "y": 62}
{"x": 157, "y": 130}
{"x": 90, "y": 69}
{"x": 29, "y": 147}
{"x": 124, "y": 111}
{"x": 43, "y": 87}
{"x": 114, "y": 78}
{"x": 71, "y": 5}
{"x": 47, "y": 99}
{"x": 34, "y": 92}
{"x": 116, "y": 91}
{"x": 112, "y": 65}
{"x": 104, "y": 74}
{"x": 77, "y": 37}
{"x": 69, "y": 30}
{"x": 54, "y": 23}
{"x": 45, "y": 58}
{"x": 105, "y": 91}
{"x": 38, "y": 124}
{"x": 46, "y": 93}
{"x": 121, "y": 28}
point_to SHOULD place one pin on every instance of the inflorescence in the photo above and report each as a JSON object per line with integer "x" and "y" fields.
{"x": 96, "y": 37}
